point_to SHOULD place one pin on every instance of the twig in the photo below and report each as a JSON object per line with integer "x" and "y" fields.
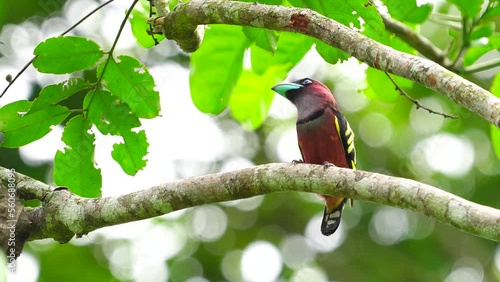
{"x": 17, "y": 76}
{"x": 482, "y": 66}
{"x": 465, "y": 42}
{"x": 416, "y": 102}
{"x": 151, "y": 14}
{"x": 62, "y": 34}
{"x": 446, "y": 17}
{"x": 445, "y": 23}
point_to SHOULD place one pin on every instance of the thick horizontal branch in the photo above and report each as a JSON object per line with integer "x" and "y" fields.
{"x": 63, "y": 214}
{"x": 182, "y": 22}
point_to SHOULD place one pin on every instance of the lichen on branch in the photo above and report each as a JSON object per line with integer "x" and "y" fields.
{"x": 63, "y": 214}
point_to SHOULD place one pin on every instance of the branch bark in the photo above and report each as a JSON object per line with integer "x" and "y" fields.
{"x": 63, "y": 214}
{"x": 182, "y": 22}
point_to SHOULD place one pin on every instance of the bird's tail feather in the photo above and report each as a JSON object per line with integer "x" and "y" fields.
{"x": 331, "y": 217}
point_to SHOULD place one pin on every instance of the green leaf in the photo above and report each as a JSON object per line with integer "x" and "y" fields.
{"x": 479, "y": 48}
{"x": 494, "y": 131}
{"x": 468, "y": 8}
{"x": 483, "y": 30}
{"x": 139, "y": 25}
{"x": 475, "y": 52}
{"x": 330, "y": 54}
{"x": 111, "y": 116}
{"x": 291, "y": 48}
{"x": 130, "y": 80}
{"x": 20, "y": 129}
{"x": 492, "y": 11}
{"x": 252, "y": 96}
{"x": 216, "y": 66}
{"x": 55, "y": 93}
{"x": 264, "y": 38}
{"x": 66, "y": 54}
{"x": 495, "y": 85}
{"x": 408, "y": 11}
{"x": 130, "y": 154}
{"x": 172, "y": 4}
{"x": 74, "y": 168}
{"x": 347, "y": 12}
{"x": 495, "y": 139}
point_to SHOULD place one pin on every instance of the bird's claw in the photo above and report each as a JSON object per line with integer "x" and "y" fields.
{"x": 297, "y": 162}
{"x": 327, "y": 165}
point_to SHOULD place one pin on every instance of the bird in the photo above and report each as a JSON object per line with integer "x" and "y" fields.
{"x": 324, "y": 137}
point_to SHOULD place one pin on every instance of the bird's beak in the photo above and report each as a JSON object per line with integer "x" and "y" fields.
{"x": 284, "y": 87}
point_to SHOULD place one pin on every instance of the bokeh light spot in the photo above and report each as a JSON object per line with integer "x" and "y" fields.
{"x": 209, "y": 223}
{"x": 261, "y": 261}
{"x": 307, "y": 274}
{"x": 375, "y": 129}
{"x": 230, "y": 265}
{"x": 281, "y": 144}
{"x": 446, "y": 153}
{"x": 466, "y": 270}
{"x": 389, "y": 226}
{"x": 296, "y": 252}
{"x": 422, "y": 121}
{"x": 24, "y": 261}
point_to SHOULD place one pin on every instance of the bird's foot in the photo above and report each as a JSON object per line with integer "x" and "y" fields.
{"x": 297, "y": 162}
{"x": 327, "y": 165}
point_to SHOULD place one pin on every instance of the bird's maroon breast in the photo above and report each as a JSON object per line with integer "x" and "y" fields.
{"x": 320, "y": 142}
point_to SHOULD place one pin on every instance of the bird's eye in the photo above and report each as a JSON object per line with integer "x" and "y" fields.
{"x": 306, "y": 81}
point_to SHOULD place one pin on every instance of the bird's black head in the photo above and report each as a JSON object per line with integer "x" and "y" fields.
{"x": 288, "y": 90}
{"x": 303, "y": 87}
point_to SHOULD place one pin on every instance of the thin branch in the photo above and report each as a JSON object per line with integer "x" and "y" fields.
{"x": 446, "y": 23}
{"x": 465, "y": 42}
{"x": 416, "y": 102}
{"x": 417, "y": 41}
{"x": 183, "y": 21}
{"x": 482, "y": 66}
{"x": 17, "y": 76}
{"x": 86, "y": 17}
{"x": 446, "y": 17}
{"x": 63, "y": 214}
{"x": 62, "y": 34}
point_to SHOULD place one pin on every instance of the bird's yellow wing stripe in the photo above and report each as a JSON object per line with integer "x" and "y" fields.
{"x": 337, "y": 126}
{"x": 347, "y": 135}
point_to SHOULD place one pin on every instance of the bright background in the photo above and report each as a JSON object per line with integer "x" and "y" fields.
{"x": 267, "y": 238}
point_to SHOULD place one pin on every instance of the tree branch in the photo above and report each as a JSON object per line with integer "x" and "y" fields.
{"x": 63, "y": 214}
{"x": 420, "y": 43}
{"x": 181, "y": 24}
